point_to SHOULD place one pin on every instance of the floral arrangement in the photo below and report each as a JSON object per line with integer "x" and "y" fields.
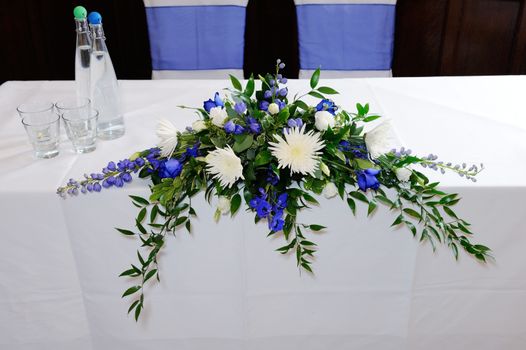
{"x": 275, "y": 154}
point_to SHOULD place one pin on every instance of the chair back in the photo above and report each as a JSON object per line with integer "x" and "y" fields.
{"x": 196, "y": 39}
{"x": 346, "y": 38}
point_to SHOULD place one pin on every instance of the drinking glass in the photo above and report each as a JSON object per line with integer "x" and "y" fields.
{"x": 80, "y": 105}
{"x": 42, "y": 126}
{"x": 81, "y": 128}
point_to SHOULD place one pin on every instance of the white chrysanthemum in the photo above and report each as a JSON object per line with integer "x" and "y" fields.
{"x": 218, "y": 116}
{"x": 167, "y": 133}
{"x": 324, "y": 120}
{"x": 225, "y": 166}
{"x": 298, "y": 150}
{"x": 198, "y": 125}
{"x": 381, "y": 140}
{"x": 223, "y": 205}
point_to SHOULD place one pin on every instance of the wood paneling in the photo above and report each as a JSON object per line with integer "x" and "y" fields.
{"x": 460, "y": 37}
{"x": 432, "y": 37}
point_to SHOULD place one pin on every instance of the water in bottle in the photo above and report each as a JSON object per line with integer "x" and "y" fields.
{"x": 104, "y": 86}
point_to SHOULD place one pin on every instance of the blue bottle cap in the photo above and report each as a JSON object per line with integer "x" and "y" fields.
{"x": 94, "y": 18}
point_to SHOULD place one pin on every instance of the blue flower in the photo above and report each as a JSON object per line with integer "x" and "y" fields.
{"x": 272, "y": 178}
{"x": 240, "y": 107}
{"x": 327, "y": 105}
{"x": 283, "y": 92}
{"x": 281, "y": 104}
{"x": 217, "y": 102}
{"x": 276, "y": 223}
{"x": 267, "y": 94}
{"x": 263, "y": 105}
{"x": 367, "y": 179}
{"x": 253, "y": 125}
{"x": 170, "y": 169}
{"x": 232, "y": 128}
{"x": 293, "y": 123}
{"x": 139, "y": 161}
{"x": 281, "y": 203}
{"x": 193, "y": 151}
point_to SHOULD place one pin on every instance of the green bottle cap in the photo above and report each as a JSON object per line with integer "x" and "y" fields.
{"x": 80, "y": 12}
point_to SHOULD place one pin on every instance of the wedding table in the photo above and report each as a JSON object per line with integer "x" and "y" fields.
{"x": 223, "y": 286}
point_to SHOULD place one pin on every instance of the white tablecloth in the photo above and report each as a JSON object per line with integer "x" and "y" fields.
{"x": 223, "y": 286}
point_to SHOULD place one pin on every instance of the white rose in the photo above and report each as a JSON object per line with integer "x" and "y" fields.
{"x": 218, "y": 116}
{"x": 330, "y": 190}
{"x": 273, "y": 108}
{"x": 198, "y": 125}
{"x": 403, "y": 174}
{"x": 223, "y": 205}
{"x": 381, "y": 140}
{"x": 324, "y": 120}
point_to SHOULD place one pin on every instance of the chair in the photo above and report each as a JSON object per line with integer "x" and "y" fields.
{"x": 346, "y": 38}
{"x": 196, "y": 39}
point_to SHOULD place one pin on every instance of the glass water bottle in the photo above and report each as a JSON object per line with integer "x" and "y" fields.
{"x": 82, "y": 54}
{"x": 104, "y": 87}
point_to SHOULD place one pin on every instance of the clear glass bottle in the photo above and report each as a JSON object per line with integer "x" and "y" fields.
{"x": 104, "y": 86}
{"x": 82, "y": 54}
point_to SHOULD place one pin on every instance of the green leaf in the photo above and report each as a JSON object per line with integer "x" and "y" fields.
{"x": 180, "y": 220}
{"x": 310, "y": 198}
{"x": 371, "y": 118}
{"x": 150, "y": 274}
{"x": 302, "y": 105}
{"x": 327, "y": 90}
{"x": 153, "y": 213}
{"x": 398, "y": 220}
{"x": 125, "y": 232}
{"x": 360, "y": 196}
{"x": 413, "y": 213}
{"x": 385, "y": 200}
{"x": 364, "y": 164}
{"x": 450, "y": 212}
{"x": 140, "y": 200}
{"x": 243, "y": 143}
{"x": 131, "y": 290}
{"x": 315, "y": 78}
{"x": 235, "y": 203}
{"x": 138, "y": 311}
{"x": 141, "y": 215}
{"x": 263, "y": 158}
{"x": 235, "y": 83}
{"x": 306, "y": 266}
{"x": 249, "y": 89}
{"x": 352, "y": 205}
{"x": 316, "y": 94}
{"x": 317, "y": 227}
{"x": 132, "y": 306}
{"x": 371, "y": 208}
{"x": 129, "y": 272}
{"x": 307, "y": 243}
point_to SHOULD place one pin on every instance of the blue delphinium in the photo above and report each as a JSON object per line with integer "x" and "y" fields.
{"x": 273, "y": 212}
{"x": 217, "y": 102}
{"x": 253, "y": 125}
{"x": 367, "y": 179}
{"x": 272, "y": 178}
{"x": 359, "y": 151}
{"x": 260, "y": 204}
{"x": 327, "y": 105}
